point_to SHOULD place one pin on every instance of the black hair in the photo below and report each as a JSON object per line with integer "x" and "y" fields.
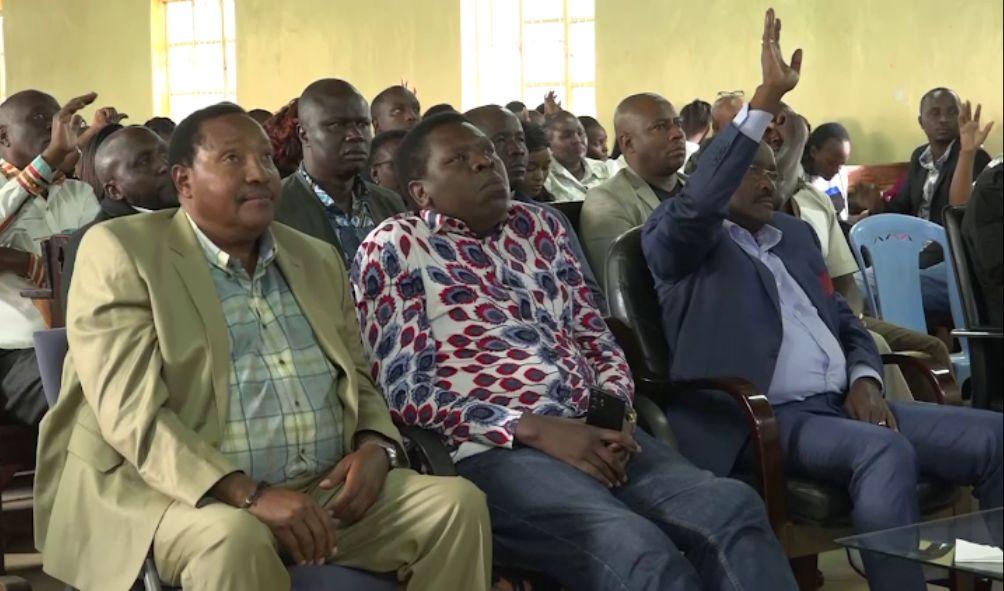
{"x": 695, "y": 116}
{"x": 383, "y": 138}
{"x": 819, "y": 137}
{"x": 589, "y": 122}
{"x": 162, "y": 126}
{"x": 536, "y": 137}
{"x": 88, "y": 165}
{"x": 516, "y": 106}
{"x": 930, "y": 94}
{"x": 187, "y": 135}
{"x": 412, "y": 157}
{"x": 439, "y": 109}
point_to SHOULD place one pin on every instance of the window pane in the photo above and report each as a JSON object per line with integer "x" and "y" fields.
{"x": 582, "y": 52}
{"x": 231, "y": 79}
{"x": 583, "y": 100}
{"x": 208, "y": 20}
{"x": 207, "y": 73}
{"x": 229, "y": 20}
{"x": 180, "y": 62}
{"x": 179, "y": 22}
{"x": 542, "y": 9}
{"x": 582, "y": 9}
{"x": 543, "y": 53}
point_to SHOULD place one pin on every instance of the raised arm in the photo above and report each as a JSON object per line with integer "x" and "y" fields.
{"x": 971, "y": 137}
{"x": 683, "y": 230}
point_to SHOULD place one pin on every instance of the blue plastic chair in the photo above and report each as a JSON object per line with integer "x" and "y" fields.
{"x": 893, "y": 242}
{"x": 50, "y": 351}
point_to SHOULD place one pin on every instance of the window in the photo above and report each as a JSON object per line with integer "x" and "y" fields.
{"x": 521, "y": 49}
{"x": 201, "y": 57}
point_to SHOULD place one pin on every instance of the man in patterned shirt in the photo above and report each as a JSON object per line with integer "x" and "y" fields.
{"x": 327, "y": 197}
{"x": 479, "y": 327}
{"x": 217, "y": 406}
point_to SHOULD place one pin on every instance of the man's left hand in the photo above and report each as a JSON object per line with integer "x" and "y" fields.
{"x": 363, "y": 473}
{"x": 864, "y": 402}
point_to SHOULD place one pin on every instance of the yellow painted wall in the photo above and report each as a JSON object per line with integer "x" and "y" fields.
{"x": 69, "y": 47}
{"x": 867, "y": 62}
{"x": 284, "y": 45}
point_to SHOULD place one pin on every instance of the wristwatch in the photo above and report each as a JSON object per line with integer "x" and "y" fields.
{"x": 396, "y": 461}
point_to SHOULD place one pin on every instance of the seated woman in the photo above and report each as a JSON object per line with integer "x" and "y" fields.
{"x": 825, "y": 163}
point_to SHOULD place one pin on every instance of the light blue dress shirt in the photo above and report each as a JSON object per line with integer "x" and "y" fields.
{"x": 811, "y": 360}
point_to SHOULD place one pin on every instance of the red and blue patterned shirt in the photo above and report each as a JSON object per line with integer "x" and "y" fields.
{"x": 466, "y": 333}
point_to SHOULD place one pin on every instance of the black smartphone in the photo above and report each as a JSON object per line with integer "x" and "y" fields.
{"x": 606, "y": 411}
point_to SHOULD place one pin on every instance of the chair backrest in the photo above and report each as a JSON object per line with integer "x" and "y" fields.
{"x": 572, "y": 210}
{"x": 50, "y": 352}
{"x": 634, "y": 302}
{"x": 892, "y": 244}
{"x": 970, "y": 291}
{"x": 54, "y": 251}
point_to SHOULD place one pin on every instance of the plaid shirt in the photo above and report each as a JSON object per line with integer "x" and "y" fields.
{"x": 352, "y": 228}
{"x": 284, "y": 419}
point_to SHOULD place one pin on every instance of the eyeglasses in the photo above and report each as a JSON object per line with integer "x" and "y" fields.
{"x": 758, "y": 172}
{"x": 731, "y": 94}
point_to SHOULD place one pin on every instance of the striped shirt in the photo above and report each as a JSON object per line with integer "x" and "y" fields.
{"x": 284, "y": 419}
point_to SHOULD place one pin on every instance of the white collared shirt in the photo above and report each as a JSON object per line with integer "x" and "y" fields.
{"x": 565, "y": 187}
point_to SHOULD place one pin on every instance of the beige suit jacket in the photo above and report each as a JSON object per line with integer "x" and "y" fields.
{"x": 611, "y": 208}
{"x": 146, "y": 389}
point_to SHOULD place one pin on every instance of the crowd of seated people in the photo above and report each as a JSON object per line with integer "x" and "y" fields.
{"x": 256, "y": 304}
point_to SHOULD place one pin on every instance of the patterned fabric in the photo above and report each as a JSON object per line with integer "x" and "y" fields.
{"x": 467, "y": 333}
{"x": 35, "y": 178}
{"x": 931, "y": 182}
{"x": 352, "y": 228}
{"x": 284, "y": 418}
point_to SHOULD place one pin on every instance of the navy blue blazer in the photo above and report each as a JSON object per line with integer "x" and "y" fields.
{"x": 720, "y": 308}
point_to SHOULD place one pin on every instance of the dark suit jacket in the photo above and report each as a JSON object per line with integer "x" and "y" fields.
{"x": 110, "y": 209}
{"x": 300, "y": 209}
{"x": 912, "y": 194}
{"x": 720, "y": 306}
{"x": 983, "y": 231}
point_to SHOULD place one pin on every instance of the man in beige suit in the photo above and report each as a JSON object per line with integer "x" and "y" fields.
{"x": 654, "y": 147}
{"x": 217, "y": 406}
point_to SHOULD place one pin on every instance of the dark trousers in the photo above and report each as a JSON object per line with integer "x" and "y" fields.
{"x": 671, "y": 527}
{"x": 22, "y": 400}
{"x": 881, "y": 467}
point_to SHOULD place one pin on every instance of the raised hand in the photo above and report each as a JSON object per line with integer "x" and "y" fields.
{"x": 551, "y": 103}
{"x": 971, "y": 137}
{"x": 64, "y": 134}
{"x": 778, "y": 77}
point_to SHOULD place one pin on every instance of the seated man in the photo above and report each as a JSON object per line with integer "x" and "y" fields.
{"x": 572, "y": 173}
{"x": 479, "y": 327}
{"x": 596, "y": 139}
{"x": 745, "y": 292}
{"x": 162, "y": 126}
{"x": 725, "y": 108}
{"x": 36, "y": 202}
{"x": 396, "y": 107}
{"x": 983, "y": 230}
{"x": 131, "y": 167}
{"x": 695, "y": 118}
{"x": 381, "y": 163}
{"x": 649, "y": 134}
{"x": 506, "y": 133}
{"x": 327, "y": 198}
{"x": 217, "y": 405}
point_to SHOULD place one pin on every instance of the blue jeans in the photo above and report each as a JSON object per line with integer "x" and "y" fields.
{"x": 672, "y": 527}
{"x": 880, "y": 467}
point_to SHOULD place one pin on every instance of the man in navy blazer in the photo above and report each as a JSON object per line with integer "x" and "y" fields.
{"x": 745, "y": 292}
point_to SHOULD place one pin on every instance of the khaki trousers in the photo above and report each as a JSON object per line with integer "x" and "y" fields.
{"x": 434, "y": 532}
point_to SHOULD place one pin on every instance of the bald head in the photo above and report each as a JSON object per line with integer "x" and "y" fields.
{"x": 651, "y": 137}
{"x": 505, "y": 131}
{"x": 131, "y": 165}
{"x": 26, "y": 125}
{"x": 395, "y": 108}
{"x": 334, "y": 130}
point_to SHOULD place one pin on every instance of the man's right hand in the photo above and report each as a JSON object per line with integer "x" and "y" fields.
{"x": 64, "y": 136}
{"x": 583, "y": 446}
{"x": 971, "y": 136}
{"x": 779, "y": 78}
{"x": 298, "y": 521}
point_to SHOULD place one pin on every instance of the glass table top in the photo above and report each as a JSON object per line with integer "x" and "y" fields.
{"x": 933, "y": 542}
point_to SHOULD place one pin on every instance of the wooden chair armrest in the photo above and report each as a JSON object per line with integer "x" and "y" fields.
{"x": 936, "y": 379}
{"x": 763, "y": 432}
